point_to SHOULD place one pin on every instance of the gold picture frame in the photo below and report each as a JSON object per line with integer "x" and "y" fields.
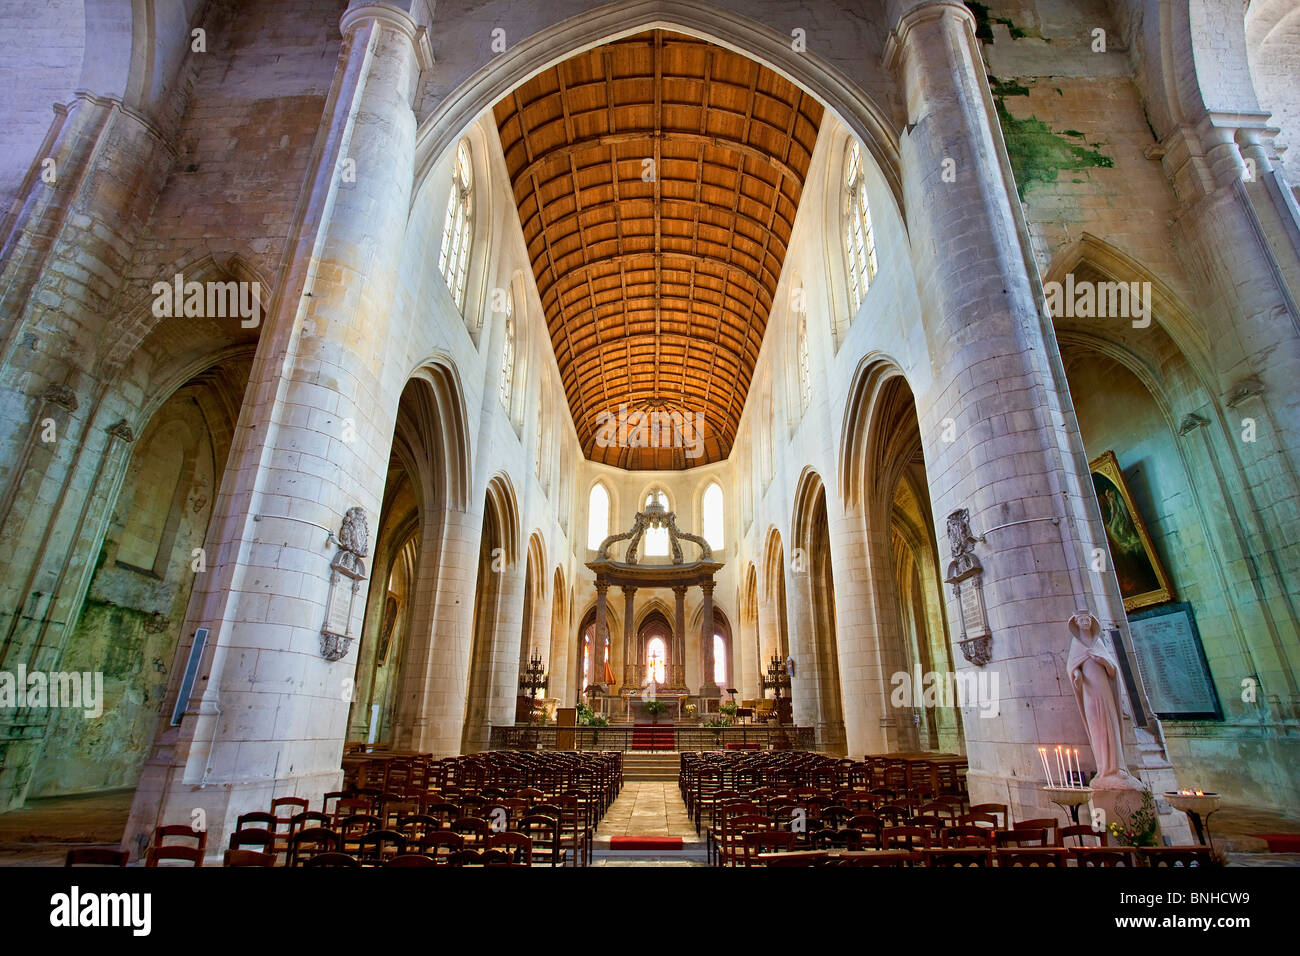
{"x": 1142, "y": 578}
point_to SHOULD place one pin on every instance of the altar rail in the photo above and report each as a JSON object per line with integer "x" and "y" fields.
{"x": 619, "y": 737}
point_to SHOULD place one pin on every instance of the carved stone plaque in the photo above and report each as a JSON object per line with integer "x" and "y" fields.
{"x": 974, "y": 621}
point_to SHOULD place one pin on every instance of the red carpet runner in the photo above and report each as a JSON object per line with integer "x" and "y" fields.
{"x": 652, "y": 737}
{"x": 645, "y": 843}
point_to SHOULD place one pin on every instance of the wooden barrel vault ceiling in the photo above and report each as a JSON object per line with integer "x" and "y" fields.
{"x": 657, "y": 179}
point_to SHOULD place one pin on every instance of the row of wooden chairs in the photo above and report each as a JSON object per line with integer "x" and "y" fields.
{"x": 774, "y": 844}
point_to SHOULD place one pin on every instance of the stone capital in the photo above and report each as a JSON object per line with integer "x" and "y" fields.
{"x": 907, "y": 17}
{"x": 394, "y": 18}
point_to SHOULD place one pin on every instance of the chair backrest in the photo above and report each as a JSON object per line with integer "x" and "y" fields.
{"x": 1041, "y": 823}
{"x": 765, "y": 841}
{"x": 252, "y": 837}
{"x": 311, "y": 818}
{"x": 259, "y": 819}
{"x": 180, "y": 831}
{"x": 1022, "y": 837}
{"x": 182, "y": 854}
{"x": 979, "y": 819}
{"x": 440, "y": 840}
{"x": 380, "y": 844}
{"x": 906, "y": 837}
{"x": 997, "y": 809}
{"x": 465, "y": 858}
{"x": 295, "y": 806}
{"x": 475, "y": 825}
{"x": 1106, "y": 856}
{"x": 237, "y": 857}
{"x": 411, "y": 859}
{"x": 969, "y": 836}
{"x": 96, "y": 856}
{"x": 333, "y": 859}
{"x": 1079, "y": 832}
{"x": 310, "y": 842}
{"x": 517, "y": 845}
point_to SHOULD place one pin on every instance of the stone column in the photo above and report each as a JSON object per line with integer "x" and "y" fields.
{"x": 1017, "y": 461}
{"x": 707, "y": 687}
{"x": 805, "y": 689}
{"x": 602, "y": 632}
{"x": 630, "y": 656}
{"x": 269, "y": 712}
{"x": 430, "y": 704}
{"x": 678, "y": 676}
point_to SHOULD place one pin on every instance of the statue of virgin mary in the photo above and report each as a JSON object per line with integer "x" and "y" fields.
{"x": 1092, "y": 668}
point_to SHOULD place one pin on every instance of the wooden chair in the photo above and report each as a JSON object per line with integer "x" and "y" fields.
{"x": 474, "y": 830}
{"x": 1088, "y": 856}
{"x": 730, "y": 843}
{"x": 960, "y": 837}
{"x": 96, "y": 856}
{"x": 198, "y": 839}
{"x": 377, "y": 846}
{"x": 465, "y": 858}
{"x": 796, "y": 858}
{"x": 1034, "y": 856}
{"x": 352, "y": 829}
{"x": 873, "y": 858}
{"x": 311, "y": 842}
{"x": 1042, "y": 823}
{"x": 440, "y": 845}
{"x": 237, "y": 857}
{"x": 263, "y": 840}
{"x": 333, "y": 859}
{"x": 755, "y": 842}
{"x": 964, "y": 856}
{"x": 1176, "y": 855}
{"x": 183, "y": 854}
{"x": 909, "y": 838}
{"x": 544, "y": 833}
{"x": 1080, "y": 832}
{"x": 285, "y": 825}
{"x": 1020, "y": 838}
{"x": 997, "y": 809}
{"x": 411, "y": 859}
{"x": 417, "y": 826}
{"x": 516, "y": 845}
{"x": 978, "y": 819}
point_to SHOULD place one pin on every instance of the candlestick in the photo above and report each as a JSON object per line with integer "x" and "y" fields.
{"x": 1042, "y": 755}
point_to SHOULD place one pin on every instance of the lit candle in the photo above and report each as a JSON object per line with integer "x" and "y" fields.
{"x": 1078, "y": 767}
{"x": 1047, "y": 772}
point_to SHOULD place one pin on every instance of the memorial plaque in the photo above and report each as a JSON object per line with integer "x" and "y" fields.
{"x": 972, "y": 610}
{"x": 339, "y": 613}
{"x": 1172, "y": 663}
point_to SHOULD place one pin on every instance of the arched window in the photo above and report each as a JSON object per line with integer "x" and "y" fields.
{"x": 458, "y": 227}
{"x": 508, "y": 352}
{"x": 859, "y": 240}
{"x": 719, "y": 660}
{"x": 713, "y": 515}
{"x": 656, "y": 656}
{"x": 656, "y": 539}
{"x": 805, "y": 366}
{"x": 597, "y": 516}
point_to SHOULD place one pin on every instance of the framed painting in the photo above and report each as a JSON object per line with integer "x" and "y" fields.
{"x": 1142, "y": 578}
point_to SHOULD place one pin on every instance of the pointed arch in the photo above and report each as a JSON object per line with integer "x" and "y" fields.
{"x": 502, "y": 500}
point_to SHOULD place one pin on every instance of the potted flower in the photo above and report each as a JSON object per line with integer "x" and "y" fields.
{"x": 654, "y": 708}
{"x": 1141, "y": 828}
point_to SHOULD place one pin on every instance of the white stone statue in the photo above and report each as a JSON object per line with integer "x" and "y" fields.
{"x": 1092, "y": 668}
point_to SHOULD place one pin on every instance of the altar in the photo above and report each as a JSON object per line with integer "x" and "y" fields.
{"x": 680, "y": 576}
{"x": 634, "y": 704}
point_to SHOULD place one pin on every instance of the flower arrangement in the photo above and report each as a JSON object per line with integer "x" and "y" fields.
{"x": 654, "y": 708}
{"x": 1140, "y": 829}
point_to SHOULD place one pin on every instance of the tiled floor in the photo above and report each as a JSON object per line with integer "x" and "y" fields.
{"x": 648, "y": 808}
